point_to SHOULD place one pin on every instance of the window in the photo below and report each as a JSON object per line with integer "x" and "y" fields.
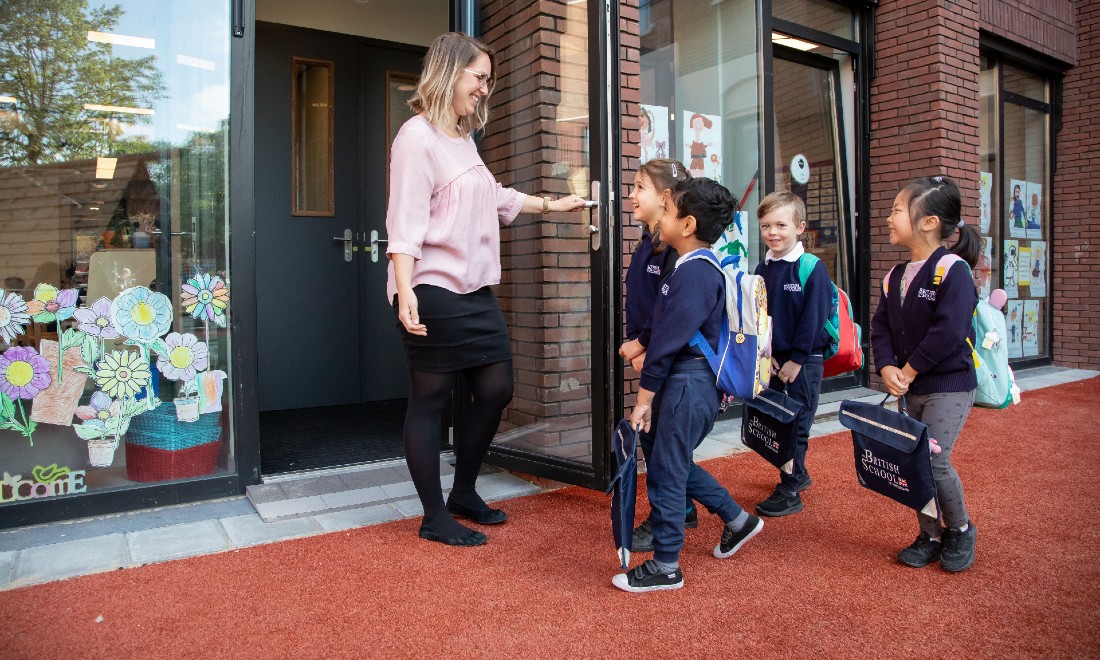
{"x": 1014, "y": 214}
{"x": 312, "y": 121}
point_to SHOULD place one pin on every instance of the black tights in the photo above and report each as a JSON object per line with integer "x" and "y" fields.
{"x": 429, "y": 395}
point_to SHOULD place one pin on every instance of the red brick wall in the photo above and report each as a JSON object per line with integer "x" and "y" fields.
{"x": 631, "y": 98}
{"x": 1046, "y": 26}
{"x": 1076, "y": 250}
{"x": 924, "y": 108}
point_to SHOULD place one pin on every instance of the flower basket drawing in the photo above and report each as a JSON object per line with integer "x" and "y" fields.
{"x": 160, "y": 447}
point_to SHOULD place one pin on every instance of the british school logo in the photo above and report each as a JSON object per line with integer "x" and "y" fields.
{"x": 793, "y": 286}
{"x": 883, "y": 469}
{"x": 927, "y": 295}
{"x": 653, "y": 269}
{"x": 664, "y": 289}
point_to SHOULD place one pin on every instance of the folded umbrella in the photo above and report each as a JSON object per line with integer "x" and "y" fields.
{"x": 624, "y": 488}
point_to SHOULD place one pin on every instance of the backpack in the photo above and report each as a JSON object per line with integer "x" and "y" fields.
{"x": 996, "y": 383}
{"x": 742, "y": 364}
{"x": 845, "y": 351}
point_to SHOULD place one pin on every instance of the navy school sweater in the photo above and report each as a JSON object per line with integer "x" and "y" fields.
{"x": 690, "y": 299}
{"x": 643, "y": 277}
{"x": 798, "y": 314}
{"x": 929, "y": 329}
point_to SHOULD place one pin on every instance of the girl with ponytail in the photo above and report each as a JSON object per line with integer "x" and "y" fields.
{"x": 921, "y": 349}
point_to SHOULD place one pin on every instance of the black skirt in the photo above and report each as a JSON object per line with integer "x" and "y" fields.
{"x": 464, "y": 330}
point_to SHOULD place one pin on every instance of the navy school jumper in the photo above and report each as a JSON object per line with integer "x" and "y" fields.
{"x": 691, "y": 299}
{"x": 644, "y": 275}
{"x": 929, "y": 329}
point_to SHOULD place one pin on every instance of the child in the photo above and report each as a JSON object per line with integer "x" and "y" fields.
{"x": 678, "y": 396}
{"x": 799, "y": 338}
{"x": 652, "y": 261}
{"x": 921, "y": 350}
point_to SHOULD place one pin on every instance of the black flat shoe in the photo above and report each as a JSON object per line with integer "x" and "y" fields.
{"x": 470, "y": 538}
{"x": 482, "y": 516}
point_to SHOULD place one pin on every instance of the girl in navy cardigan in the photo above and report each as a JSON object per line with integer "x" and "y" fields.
{"x": 653, "y": 260}
{"x": 919, "y": 335}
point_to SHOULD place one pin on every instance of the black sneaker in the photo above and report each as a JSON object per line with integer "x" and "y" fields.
{"x": 780, "y": 503}
{"x": 646, "y": 577}
{"x": 922, "y": 552}
{"x": 642, "y": 540}
{"x": 958, "y": 549}
{"x": 806, "y": 482}
{"x": 732, "y": 541}
{"x": 691, "y": 520}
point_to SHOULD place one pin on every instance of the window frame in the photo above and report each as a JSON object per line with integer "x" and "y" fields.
{"x": 295, "y": 138}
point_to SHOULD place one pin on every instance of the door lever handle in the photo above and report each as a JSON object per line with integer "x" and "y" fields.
{"x": 591, "y": 203}
{"x": 346, "y": 239}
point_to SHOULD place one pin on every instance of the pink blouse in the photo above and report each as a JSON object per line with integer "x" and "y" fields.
{"x": 445, "y": 210}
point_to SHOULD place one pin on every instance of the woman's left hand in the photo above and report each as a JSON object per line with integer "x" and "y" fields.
{"x": 569, "y": 203}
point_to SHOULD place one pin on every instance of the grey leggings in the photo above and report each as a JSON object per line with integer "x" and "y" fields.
{"x": 944, "y": 414}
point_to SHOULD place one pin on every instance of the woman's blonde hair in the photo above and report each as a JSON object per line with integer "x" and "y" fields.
{"x": 446, "y": 60}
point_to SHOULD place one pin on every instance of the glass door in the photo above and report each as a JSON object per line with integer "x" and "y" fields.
{"x": 549, "y": 136}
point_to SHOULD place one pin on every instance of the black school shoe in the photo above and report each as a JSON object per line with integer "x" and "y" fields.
{"x": 642, "y": 540}
{"x": 470, "y": 538}
{"x": 780, "y": 503}
{"x": 921, "y": 552}
{"x": 646, "y": 577}
{"x": 732, "y": 541}
{"x": 958, "y": 549}
{"x": 487, "y": 516}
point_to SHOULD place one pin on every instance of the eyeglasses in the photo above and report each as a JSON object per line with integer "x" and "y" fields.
{"x": 483, "y": 79}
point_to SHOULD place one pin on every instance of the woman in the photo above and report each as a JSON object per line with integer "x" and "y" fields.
{"x": 444, "y": 216}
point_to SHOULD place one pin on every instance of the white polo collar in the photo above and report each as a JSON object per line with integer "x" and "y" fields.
{"x": 796, "y": 252}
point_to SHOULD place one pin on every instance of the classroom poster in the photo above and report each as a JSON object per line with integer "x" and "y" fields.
{"x": 1014, "y": 316}
{"x": 986, "y": 209}
{"x": 1030, "y": 329}
{"x": 983, "y": 273}
{"x": 653, "y": 127}
{"x": 1011, "y": 268}
{"x": 1023, "y": 277}
{"x": 1039, "y": 269}
{"x": 702, "y": 141}
{"x": 1017, "y": 221}
{"x": 733, "y": 242}
{"x": 1033, "y": 205}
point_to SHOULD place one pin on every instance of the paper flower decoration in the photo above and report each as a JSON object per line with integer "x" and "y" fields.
{"x": 13, "y": 316}
{"x": 50, "y": 304}
{"x": 205, "y": 297}
{"x": 122, "y": 373}
{"x": 141, "y": 314}
{"x": 184, "y": 357}
{"x": 96, "y": 320}
{"x": 23, "y": 373}
{"x": 99, "y": 410}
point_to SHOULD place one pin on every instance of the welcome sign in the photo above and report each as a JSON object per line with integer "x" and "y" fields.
{"x": 48, "y": 481}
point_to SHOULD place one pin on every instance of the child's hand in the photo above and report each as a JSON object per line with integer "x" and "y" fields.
{"x": 639, "y": 417}
{"x": 775, "y": 367}
{"x": 894, "y": 381}
{"x": 638, "y": 362}
{"x": 631, "y": 349}
{"x": 789, "y": 371}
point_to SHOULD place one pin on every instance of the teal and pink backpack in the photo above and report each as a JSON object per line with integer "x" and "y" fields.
{"x": 845, "y": 352}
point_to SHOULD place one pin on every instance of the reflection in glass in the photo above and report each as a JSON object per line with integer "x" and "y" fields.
{"x": 824, "y": 15}
{"x": 313, "y": 125}
{"x": 112, "y": 193}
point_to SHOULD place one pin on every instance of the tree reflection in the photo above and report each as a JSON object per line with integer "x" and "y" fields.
{"x": 52, "y": 70}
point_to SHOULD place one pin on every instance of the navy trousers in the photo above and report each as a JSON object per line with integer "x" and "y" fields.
{"x": 806, "y": 389}
{"x": 683, "y": 411}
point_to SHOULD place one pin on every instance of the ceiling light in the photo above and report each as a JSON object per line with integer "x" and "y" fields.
{"x": 791, "y": 42}
{"x": 121, "y": 40}
{"x": 196, "y": 62}
{"x": 118, "y": 108}
{"x": 105, "y": 167}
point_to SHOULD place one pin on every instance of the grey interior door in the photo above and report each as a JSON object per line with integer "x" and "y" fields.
{"x": 326, "y": 335}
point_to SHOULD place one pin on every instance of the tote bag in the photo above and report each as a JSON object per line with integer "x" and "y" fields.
{"x": 768, "y": 427}
{"x": 891, "y": 452}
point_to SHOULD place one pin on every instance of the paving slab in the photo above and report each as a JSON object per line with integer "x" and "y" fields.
{"x": 7, "y": 567}
{"x": 360, "y": 517}
{"x": 318, "y": 485}
{"x": 357, "y": 497}
{"x": 372, "y": 477}
{"x": 264, "y": 493}
{"x": 176, "y": 541}
{"x": 63, "y": 560}
{"x": 252, "y": 530}
{"x": 408, "y": 508}
{"x": 287, "y": 508}
{"x": 401, "y": 489}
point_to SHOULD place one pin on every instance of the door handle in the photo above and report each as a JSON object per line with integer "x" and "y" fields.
{"x": 374, "y": 241}
{"x": 347, "y": 240}
{"x": 593, "y": 206}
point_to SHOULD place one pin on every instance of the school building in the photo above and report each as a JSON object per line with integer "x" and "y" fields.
{"x": 193, "y": 198}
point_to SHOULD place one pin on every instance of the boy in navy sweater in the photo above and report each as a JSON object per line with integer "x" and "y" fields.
{"x": 799, "y": 338}
{"x": 678, "y": 395}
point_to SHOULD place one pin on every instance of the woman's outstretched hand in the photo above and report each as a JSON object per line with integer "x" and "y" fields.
{"x": 569, "y": 203}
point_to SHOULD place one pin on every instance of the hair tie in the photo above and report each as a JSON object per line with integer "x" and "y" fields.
{"x": 674, "y": 174}
{"x": 938, "y": 179}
